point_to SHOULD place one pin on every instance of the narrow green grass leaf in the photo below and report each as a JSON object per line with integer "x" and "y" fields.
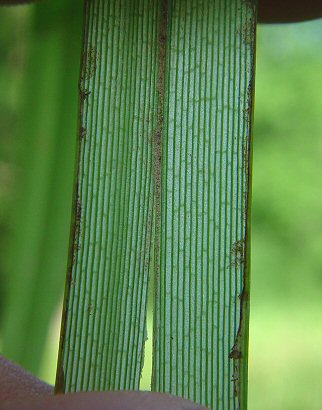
{"x": 164, "y": 159}
{"x": 201, "y": 276}
{"x": 103, "y": 330}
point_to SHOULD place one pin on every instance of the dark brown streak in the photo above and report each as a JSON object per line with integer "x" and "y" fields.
{"x": 82, "y": 133}
{"x": 157, "y": 147}
{"x": 157, "y": 140}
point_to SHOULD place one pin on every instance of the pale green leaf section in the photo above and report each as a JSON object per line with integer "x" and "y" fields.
{"x": 201, "y": 281}
{"x": 104, "y": 327}
{"x": 164, "y": 164}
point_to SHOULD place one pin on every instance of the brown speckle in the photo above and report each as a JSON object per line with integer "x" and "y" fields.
{"x": 157, "y": 139}
{"x": 90, "y": 58}
{"x": 90, "y": 309}
{"x": 235, "y": 353}
{"x": 76, "y": 229}
{"x": 238, "y": 253}
{"x": 82, "y": 133}
{"x": 83, "y": 94}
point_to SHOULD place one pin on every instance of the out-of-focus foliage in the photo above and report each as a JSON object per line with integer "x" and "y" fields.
{"x": 41, "y": 125}
{"x": 286, "y": 323}
{"x": 287, "y": 193}
{"x": 14, "y": 27}
{"x": 286, "y": 294}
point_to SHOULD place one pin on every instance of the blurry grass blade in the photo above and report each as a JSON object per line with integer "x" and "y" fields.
{"x": 164, "y": 158}
{"x": 37, "y": 250}
{"x": 202, "y": 266}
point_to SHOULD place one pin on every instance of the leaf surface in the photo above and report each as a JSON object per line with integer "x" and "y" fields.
{"x": 164, "y": 171}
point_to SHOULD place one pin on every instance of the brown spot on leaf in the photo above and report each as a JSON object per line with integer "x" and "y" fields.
{"x": 238, "y": 253}
{"x": 91, "y": 60}
{"x": 235, "y": 353}
{"x": 83, "y": 94}
{"x": 82, "y": 133}
{"x": 76, "y": 229}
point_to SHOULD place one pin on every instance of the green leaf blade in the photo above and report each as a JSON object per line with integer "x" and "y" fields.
{"x": 200, "y": 322}
{"x": 104, "y": 331}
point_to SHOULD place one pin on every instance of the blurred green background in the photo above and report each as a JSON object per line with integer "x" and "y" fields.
{"x": 39, "y": 63}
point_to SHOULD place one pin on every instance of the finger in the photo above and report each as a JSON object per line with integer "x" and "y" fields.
{"x": 288, "y": 11}
{"x": 104, "y": 400}
{"x": 15, "y": 2}
{"x": 15, "y": 382}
